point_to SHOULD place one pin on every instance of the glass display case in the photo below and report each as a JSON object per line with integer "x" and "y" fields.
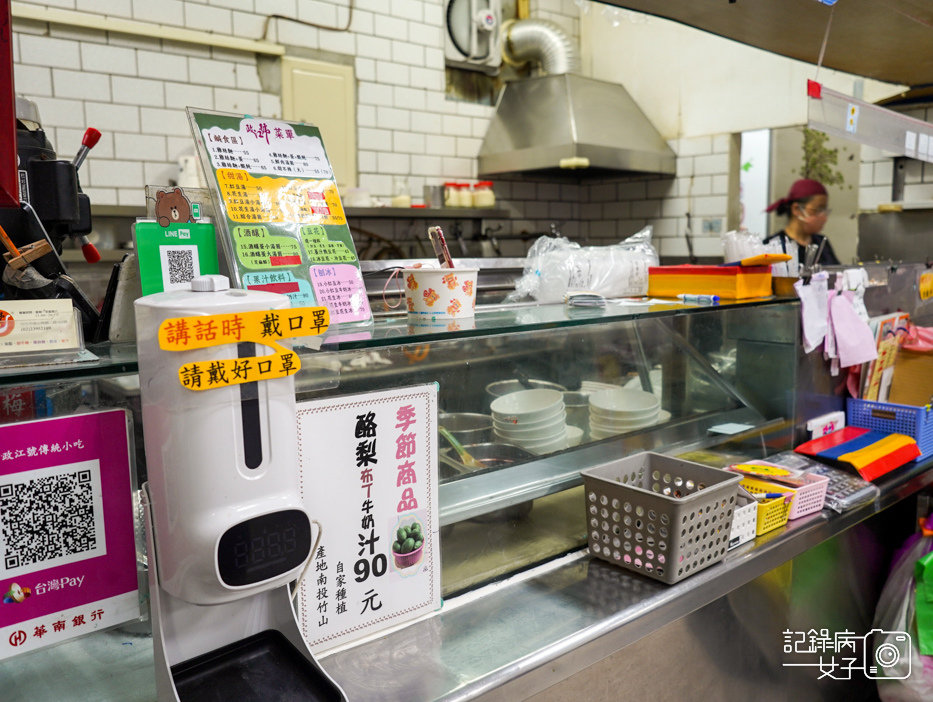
{"x": 711, "y": 376}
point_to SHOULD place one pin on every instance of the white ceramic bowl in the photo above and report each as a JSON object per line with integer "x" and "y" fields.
{"x": 511, "y": 421}
{"x": 618, "y": 428}
{"x": 604, "y": 416}
{"x": 536, "y": 433}
{"x": 597, "y": 434}
{"x": 527, "y": 405}
{"x": 557, "y": 437}
{"x": 624, "y": 402}
{"x": 574, "y": 435}
{"x": 551, "y": 446}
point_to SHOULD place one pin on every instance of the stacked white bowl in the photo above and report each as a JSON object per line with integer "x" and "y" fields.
{"x": 533, "y": 419}
{"x": 617, "y": 410}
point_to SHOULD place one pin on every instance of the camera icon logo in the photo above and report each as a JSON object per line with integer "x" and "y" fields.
{"x": 887, "y": 655}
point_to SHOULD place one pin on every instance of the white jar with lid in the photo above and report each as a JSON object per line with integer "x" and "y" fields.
{"x": 465, "y": 195}
{"x": 483, "y": 195}
{"x": 451, "y": 195}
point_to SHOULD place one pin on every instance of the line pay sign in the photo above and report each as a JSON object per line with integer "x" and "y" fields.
{"x": 265, "y": 327}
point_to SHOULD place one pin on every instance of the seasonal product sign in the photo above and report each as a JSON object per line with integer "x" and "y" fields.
{"x": 285, "y": 227}
{"x": 368, "y": 474}
{"x": 67, "y": 545}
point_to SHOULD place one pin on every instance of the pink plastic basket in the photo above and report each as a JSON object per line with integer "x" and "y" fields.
{"x": 407, "y": 560}
{"x": 807, "y": 499}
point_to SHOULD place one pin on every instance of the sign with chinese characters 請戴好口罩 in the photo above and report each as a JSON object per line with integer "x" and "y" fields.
{"x": 279, "y": 208}
{"x": 368, "y": 466}
{"x": 67, "y": 540}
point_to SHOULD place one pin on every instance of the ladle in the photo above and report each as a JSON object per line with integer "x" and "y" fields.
{"x": 465, "y": 457}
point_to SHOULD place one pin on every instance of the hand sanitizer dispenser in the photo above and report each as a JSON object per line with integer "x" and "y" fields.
{"x": 227, "y": 529}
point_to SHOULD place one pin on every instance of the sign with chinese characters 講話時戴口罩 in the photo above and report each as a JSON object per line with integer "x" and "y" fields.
{"x": 369, "y": 474}
{"x": 67, "y": 540}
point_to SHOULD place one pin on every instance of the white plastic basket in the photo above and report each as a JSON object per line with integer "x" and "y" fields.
{"x": 744, "y": 519}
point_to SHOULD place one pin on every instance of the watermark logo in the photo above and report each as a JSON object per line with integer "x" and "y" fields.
{"x": 877, "y": 655}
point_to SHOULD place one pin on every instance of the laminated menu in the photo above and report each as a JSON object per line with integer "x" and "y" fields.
{"x": 277, "y": 203}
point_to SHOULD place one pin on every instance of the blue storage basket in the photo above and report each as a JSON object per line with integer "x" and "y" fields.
{"x": 890, "y": 418}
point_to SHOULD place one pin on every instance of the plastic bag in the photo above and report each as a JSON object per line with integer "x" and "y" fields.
{"x": 555, "y": 266}
{"x": 895, "y": 613}
{"x": 741, "y": 243}
{"x": 918, "y": 339}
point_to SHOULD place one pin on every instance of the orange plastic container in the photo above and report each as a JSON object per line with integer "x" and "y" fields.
{"x": 729, "y": 282}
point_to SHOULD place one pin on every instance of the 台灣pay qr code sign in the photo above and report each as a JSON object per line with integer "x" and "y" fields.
{"x": 50, "y": 517}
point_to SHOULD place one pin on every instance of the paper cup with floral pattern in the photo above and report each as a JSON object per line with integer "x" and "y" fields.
{"x": 438, "y": 294}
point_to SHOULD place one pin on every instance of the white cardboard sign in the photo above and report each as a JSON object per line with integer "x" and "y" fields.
{"x": 368, "y": 469}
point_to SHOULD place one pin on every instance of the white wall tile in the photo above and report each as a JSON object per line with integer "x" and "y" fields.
{"x": 375, "y": 48}
{"x": 182, "y": 95}
{"x": 711, "y": 165}
{"x": 100, "y": 196}
{"x": 720, "y": 185}
{"x": 64, "y": 113}
{"x": 375, "y": 94}
{"x": 883, "y": 173}
{"x": 154, "y": 120}
{"x": 141, "y": 147}
{"x": 153, "y": 64}
{"x": 661, "y": 188}
{"x": 270, "y": 105}
{"x": 138, "y": 91}
{"x": 915, "y": 193}
{"x": 205, "y": 18}
{"x": 392, "y": 118}
{"x": 366, "y": 161}
{"x": 32, "y": 80}
{"x": 391, "y": 28}
{"x": 430, "y": 166}
{"x": 391, "y": 73}
{"x": 409, "y": 98}
{"x": 293, "y": 34}
{"x": 110, "y": 8}
{"x": 715, "y": 205}
{"x": 366, "y": 115}
{"x": 241, "y": 101}
{"x": 45, "y": 51}
{"x": 112, "y": 118}
{"x": 440, "y": 145}
{"x": 394, "y": 164}
{"x": 408, "y": 142}
{"x": 697, "y": 146}
{"x": 247, "y": 77}
{"x": 684, "y": 167}
{"x": 211, "y": 72}
{"x": 363, "y": 23}
{"x": 365, "y": 69}
{"x": 80, "y": 85}
{"x": 428, "y": 78}
{"x": 458, "y": 167}
{"x": 317, "y": 12}
{"x": 427, "y": 123}
{"x": 161, "y": 12}
{"x": 339, "y": 42}
{"x": 68, "y": 141}
{"x": 426, "y": 35}
{"x": 468, "y": 147}
{"x": 115, "y": 173}
{"x": 408, "y": 9}
{"x": 80, "y": 34}
{"x": 456, "y": 125}
{"x": 375, "y": 139}
{"x": 410, "y": 54}
{"x": 675, "y": 207}
{"x": 870, "y": 198}
{"x": 131, "y": 197}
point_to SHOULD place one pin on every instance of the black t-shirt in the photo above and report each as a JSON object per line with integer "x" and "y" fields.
{"x": 827, "y": 258}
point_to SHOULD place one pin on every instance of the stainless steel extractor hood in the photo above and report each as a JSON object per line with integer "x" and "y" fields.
{"x": 543, "y": 122}
{"x": 565, "y": 124}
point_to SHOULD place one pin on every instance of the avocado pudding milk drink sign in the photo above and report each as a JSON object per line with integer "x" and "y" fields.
{"x": 278, "y": 206}
{"x": 368, "y": 471}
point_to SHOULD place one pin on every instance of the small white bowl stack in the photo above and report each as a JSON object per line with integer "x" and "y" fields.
{"x": 535, "y": 420}
{"x": 617, "y": 410}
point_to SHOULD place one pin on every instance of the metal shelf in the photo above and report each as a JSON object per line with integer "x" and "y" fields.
{"x": 426, "y": 213}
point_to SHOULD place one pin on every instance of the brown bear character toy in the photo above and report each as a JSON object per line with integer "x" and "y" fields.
{"x": 172, "y": 208}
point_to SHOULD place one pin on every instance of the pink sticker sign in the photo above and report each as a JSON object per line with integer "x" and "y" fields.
{"x": 340, "y": 288}
{"x": 67, "y": 543}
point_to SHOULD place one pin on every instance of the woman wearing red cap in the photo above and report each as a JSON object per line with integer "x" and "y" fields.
{"x": 806, "y": 210}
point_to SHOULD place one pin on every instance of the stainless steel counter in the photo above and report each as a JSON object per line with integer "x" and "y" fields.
{"x": 514, "y": 639}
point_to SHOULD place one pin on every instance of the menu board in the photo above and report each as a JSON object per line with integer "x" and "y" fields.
{"x": 284, "y": 227}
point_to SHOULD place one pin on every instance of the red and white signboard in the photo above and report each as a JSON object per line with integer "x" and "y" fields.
{"x": 67, "y": 544}
{"x": 368, "y": 472}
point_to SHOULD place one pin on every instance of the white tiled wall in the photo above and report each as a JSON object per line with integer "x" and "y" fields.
{"x": 134, "y": 90}
{"x": 877, "y": 173}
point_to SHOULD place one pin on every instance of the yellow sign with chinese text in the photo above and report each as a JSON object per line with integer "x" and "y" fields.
{"x": 254, "y": 199}
{"x": 926, "y": 286}
{"x": 265, "y": 327}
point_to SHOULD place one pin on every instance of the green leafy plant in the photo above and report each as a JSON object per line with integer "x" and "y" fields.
{"x": 819, "y": 160}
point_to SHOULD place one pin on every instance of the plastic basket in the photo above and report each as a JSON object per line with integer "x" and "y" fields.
{"x": 891, "y": 418}
{"x": 807, "y": 499}
{"x": 743, "y": 521}
{"x": 661, "y": 516}
{"x": 772, "y": 513}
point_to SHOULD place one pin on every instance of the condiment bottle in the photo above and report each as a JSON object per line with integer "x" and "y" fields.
{"x": 483, "y": 196}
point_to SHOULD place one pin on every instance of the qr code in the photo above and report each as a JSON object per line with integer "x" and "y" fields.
{"x": 179, "y": 265}
{"x": 50, "y": 517}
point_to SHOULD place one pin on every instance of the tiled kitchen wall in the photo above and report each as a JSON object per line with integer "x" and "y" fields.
{"x": 134, "y": 90}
